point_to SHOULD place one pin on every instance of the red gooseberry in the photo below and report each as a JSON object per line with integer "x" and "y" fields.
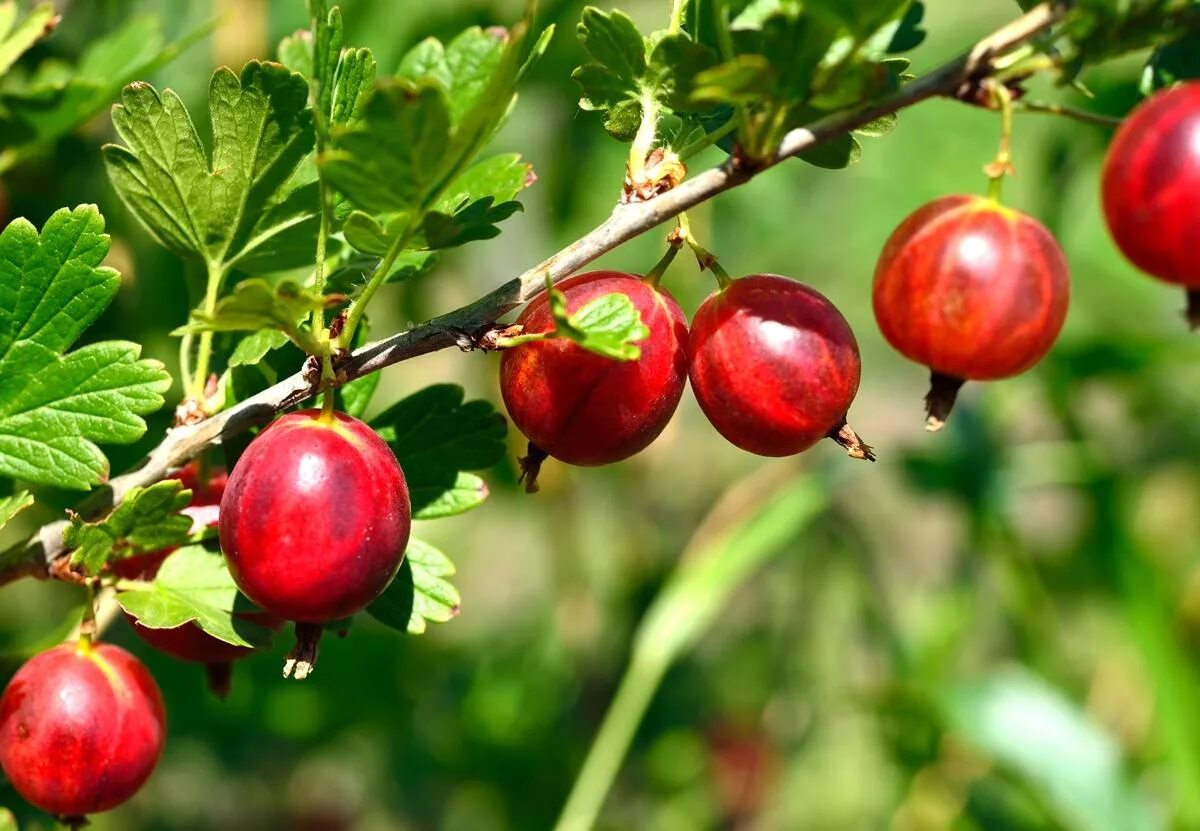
{"x": 314, "y": 521}
{"x": 81, "y": 728}
{"x": 775, "y": 366}
{"x": 588, "y": 409}
{"x": 1151, "y": 189}
{"x": 971, "y": 289}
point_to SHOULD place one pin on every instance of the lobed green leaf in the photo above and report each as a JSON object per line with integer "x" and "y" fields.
{"x": 224, "y": 209}
{"x": 17, "y": 37}
{"x": 609, "y": 325}
{"x": 148, "y": 519}
{"x": 437, "y": 437}
{"x": 54, "y": 407}
{"x": 256, "y": 304}
{"x": 194, "y": 586}
{"x": 421, "y": 593}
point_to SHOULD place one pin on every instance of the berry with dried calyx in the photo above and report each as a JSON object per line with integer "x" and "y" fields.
{"x": 775, "y": 366}
{"x": 315, "y": 521}
{"x": 971, "y": 289}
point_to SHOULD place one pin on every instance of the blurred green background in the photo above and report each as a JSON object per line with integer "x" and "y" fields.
{"x": 997, "y": 627}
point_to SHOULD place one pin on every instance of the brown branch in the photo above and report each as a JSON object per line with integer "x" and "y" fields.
{"x": 956, "y": 78}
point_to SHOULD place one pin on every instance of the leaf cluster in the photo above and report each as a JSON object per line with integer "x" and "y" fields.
{"x": 755, "y": 69}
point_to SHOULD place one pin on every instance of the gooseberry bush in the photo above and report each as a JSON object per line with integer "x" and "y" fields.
{"x": 272, "y": 509}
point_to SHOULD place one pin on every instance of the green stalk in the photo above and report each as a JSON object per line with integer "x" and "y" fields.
{"x": 1002, "y": 164}
{"x": 640, "y": 682}
{"x": 358, "y": 307}
{"x": 199, "y": 378}
{"x": 87, "y": 626}
{"x": 654, "y": 276}
{"x": 643, "y": 141}
{"x": 708, "y": 140}
{"x": 677, "y": 9}
{"x": 699, "y": 589}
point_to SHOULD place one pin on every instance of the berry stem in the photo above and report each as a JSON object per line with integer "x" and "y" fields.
{"x": 327, "y": 378}
{"x": 1051, "y": 108}
{"x": 1002, "y": 165}
{"x": 87, "y": 626}
{"x": 943, "y": 391}
{"x": 704, "y": 258}
{"x": 531, "y": 466}
{"x": 654, "y": 276}
{"x": 220, "y": 678}
{"x": 1193, "y": 309}
{"x": 856, "y": 448}
{"x": 303, "y": 657}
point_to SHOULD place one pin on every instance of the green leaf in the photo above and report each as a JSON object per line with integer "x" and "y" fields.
{"x": 437, "y": 437}
{"x": 437, "y": 500}
{"x": 834, "y": 154}
{"x": 213, "y": 210}
{"x": 253, "y": 348}
{"x": 614, "y": 41}
{"x": 16, "y": 39}
{"x": 861, "y": 17}
{"x": 58, "y": 98}
{"x": 328, "y": 36}
{"x": 55, "y": 406}
{"x": 499, "y": 177}
{"x": 351, "y": 274}
{"x": 475, "y": 221}
{"x": 674, "y": 65}
{"x": 1025, "y": 724}
{"x": 7, "y": 821}
{"x": 743, "y": 80}
{"x": 296, "y": 52}
{"x": 609, "y": 325}
{"x": 901, "y": 35}
{"x": 395, "y": 157}
{"x": 879, "y": 127}
{"x": 420, "y": 594}
{"x": 10, "y": 506}
{"x": 352, "y": 87}
{"x": 1176, "y": 61}
{"x": 419, "y": 131}
{"x": 147, "y": 519}
{"x": 256, "y": 304}
{"x": 371, "y": 236}
{"x": 464, "y": 67}
{"x": 194, "y": 586}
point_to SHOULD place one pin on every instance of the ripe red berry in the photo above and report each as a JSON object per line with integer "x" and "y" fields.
{"x": 971, "y": 289}
{"x": 315, "y": 518}
{"x": 189, "y": 642}
{"x": 1152, "y": 189}
{"x": 587, "y": 409}
{"x": 81, "y": 728}
{"x": 774, "y": 366}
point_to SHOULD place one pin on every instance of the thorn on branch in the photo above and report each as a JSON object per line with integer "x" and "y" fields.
{"x": 486, "y": 337}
